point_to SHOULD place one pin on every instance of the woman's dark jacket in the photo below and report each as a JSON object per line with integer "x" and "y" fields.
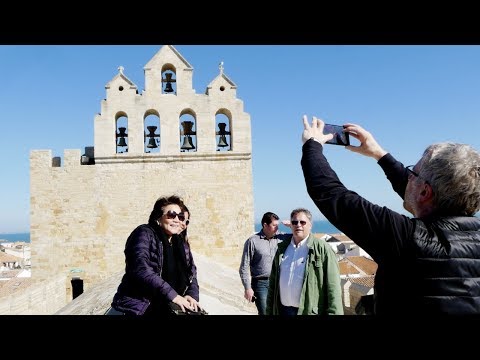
{"x": 142, "y": 283}
{"x": 425, "y": 266}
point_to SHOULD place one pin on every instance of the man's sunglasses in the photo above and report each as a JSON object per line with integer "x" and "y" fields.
{"x": 295, "y": 222}
{"x": 411, "y": 172}
{"x": 172, "y": 215}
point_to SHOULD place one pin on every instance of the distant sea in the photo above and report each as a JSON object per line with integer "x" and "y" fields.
{"x": 323, "y": 227}
{"x": 320, "y": 226}
{"x": 25, "y": 237}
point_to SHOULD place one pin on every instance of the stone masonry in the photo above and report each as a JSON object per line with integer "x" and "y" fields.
{"x": 82, "y": 210}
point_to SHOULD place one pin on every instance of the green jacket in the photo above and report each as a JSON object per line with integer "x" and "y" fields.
{"x": 321, "y": 291}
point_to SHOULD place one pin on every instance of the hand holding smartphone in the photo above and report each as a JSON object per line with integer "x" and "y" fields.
{"x": 339, "y": 136}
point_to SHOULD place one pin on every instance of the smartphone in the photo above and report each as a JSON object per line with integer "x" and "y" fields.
{"x": 339, "y": 136}
{"x": 254, "y": 298}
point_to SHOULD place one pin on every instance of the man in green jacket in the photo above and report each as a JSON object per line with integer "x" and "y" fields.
{"x": 305, "y": 277}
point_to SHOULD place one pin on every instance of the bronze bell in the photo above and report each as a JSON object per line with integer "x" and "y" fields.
{"x": 121, "y": 132}
{"x": 222, "y": 142}
{"x": 221, "y": 127}
{"x": 168, "y": 87}
{"x": 168, "y": 80}
{"x": 152, "y": 144}
{"x": 151, "y": 130}
{"x": 121, "y": 135}
{"x": 187, "y": 128}
{"x": 187, "y": 143}
{"x": 122, "y": 142}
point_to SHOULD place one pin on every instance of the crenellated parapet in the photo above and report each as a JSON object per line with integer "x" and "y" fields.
{"x": 43, "y": 159}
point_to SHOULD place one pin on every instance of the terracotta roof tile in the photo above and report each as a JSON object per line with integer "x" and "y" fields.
{"x": 368, "y": 266}
{"x": 366, "y": 281}
{"x": 357, "y": 265}
{"x": 347, "y": 268}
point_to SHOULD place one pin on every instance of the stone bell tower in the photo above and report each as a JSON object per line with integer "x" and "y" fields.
{"x": 166, "y": 139}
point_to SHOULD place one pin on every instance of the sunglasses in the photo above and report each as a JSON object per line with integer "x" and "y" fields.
{"x": 411, "y": 172}
{"x": 295, "y": 222}
{"x": 172, "y": 215}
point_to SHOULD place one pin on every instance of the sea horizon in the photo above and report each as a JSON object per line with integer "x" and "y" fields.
{"x": 319, "y": 226}
{"x": 14, "y": 237}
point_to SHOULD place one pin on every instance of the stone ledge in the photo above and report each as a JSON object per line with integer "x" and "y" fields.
{"x": 221, "y": 292}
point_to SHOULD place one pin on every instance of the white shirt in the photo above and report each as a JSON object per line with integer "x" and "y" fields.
{"x": 292, "y": 272}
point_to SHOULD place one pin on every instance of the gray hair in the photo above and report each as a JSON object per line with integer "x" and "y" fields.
{"x": 453, "y": 171}
{"x": 299, "y": 210}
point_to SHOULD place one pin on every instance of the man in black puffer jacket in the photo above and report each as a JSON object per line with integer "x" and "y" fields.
{"x": 429, "y": 264}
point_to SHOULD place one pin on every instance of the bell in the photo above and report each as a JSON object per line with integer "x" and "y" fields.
{"x": 187, "y": 128}
{"x": 222, "y": 142}
{"x": 152, "y": 143}
{"x": 168, "y": 80}
{"x": 121, "y": 132}
{"x": 151, "y": 130}
{"x": 187, "y": 143}
{"x": 122, "y": 142}
{"x": 168, "y": 88}
{"x": 221, "y": 127}
{"x": 121, "y": 136}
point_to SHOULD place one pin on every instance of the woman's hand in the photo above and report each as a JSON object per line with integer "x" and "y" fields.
{"x": 194, "y": 305}
{"x": 183, "y": 302}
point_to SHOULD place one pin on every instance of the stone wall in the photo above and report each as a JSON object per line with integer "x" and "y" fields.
{"x": 41, "y": 298}
{"x": 81, "y": 215}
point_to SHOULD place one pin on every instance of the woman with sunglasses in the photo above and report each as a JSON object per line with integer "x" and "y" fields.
{"x": 159, "y": 265}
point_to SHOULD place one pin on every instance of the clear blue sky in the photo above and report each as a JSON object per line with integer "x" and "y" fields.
{"x": 407, "y": 96}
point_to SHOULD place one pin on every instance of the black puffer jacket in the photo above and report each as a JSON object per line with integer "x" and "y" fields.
{"x": 447, "y": 253}
{"x": 142, "y": 283}
{"x": 436, "y": 272}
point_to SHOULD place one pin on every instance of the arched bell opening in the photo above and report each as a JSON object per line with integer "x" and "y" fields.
{"x": 188, "y": 133}
{"x": 151, "y": 132}
{"x": 223, "y": 131}
{"x": 121, "y": 133}
{"x": 169, "y": 79}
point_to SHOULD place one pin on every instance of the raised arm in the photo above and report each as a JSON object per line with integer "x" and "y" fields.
{"x": 368, "y": 224}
